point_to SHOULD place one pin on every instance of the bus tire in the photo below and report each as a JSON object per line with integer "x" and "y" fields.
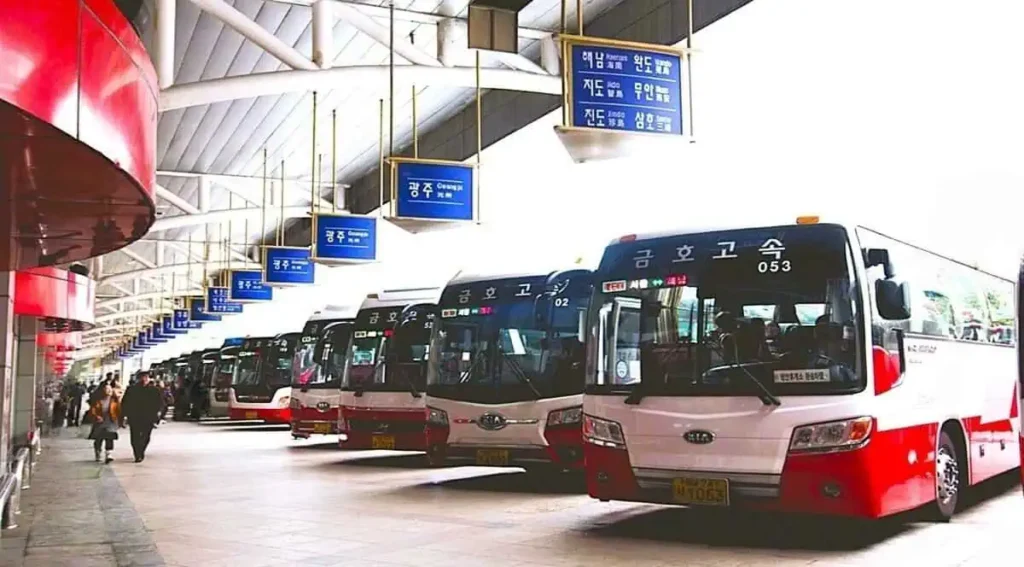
{"x": 949, "y": 477}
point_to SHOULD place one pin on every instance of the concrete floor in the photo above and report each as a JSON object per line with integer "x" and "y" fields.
{"x": 215, "y": 495}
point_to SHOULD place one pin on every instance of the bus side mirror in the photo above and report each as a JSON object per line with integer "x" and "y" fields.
{"x": 879, "y": 257}
{"x": 893, "y": 299}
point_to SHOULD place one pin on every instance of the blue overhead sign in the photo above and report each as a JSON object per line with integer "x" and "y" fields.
{"x": 287, "y": 266}
{"x": 247, "y": 285}
{"x": 152, "y": 338}
{"x": 217, "y": 301}
{"x": 197, "y": 312}
{"x": 142, "y": 340}
{"x": 168, "y": 326}
{"x": 442, "y": 191}
{"x": 625, "y": 89}
{"x": 346, "y": 238}
{"x": 181, "y": 323}
{"x": 157, "y": 332}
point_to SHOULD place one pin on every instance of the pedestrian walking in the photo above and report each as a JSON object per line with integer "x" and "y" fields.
{"x": 106, "y": 416}
{"x": 142, "y": 405}
{"x": 75, "y": 409}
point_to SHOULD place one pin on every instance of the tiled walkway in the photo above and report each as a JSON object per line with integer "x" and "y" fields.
{"x": 214, "y": 495}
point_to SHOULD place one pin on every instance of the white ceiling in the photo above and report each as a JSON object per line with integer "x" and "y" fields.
{"x": 229, "y": 137}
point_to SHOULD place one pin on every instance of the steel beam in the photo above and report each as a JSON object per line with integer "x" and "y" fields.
{"x": 222, "y": 216}
{"x": 174, "y": 199}
{"x": 381, "y": 34}
{"x": 367, "y": 76}
{"x": 255, "y": 33}
{"x": 406, "y": 15}
{"x": 165, "y": 25}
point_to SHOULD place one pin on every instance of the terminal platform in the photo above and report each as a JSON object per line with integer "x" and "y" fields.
{"x": 223, "y": 494}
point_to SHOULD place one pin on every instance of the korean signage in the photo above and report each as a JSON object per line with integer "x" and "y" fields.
{"x": 247, "y": 285}
{"x": 346, "y": 238}
{"x": 197, "y": 311}
{"x": 287, "y": 266}
{"x": 433, "y": 190}
{"x": 167, "y": 326}
{"x": 157, "y": 332}
{"x": 182, "y": 323}
{"x": 142, "y": 341}
{"x": 217, "y": 302}
{"x": 152, "y": 338}
{"x": 625, "y": 89}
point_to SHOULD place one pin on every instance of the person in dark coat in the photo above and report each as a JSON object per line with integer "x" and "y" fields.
{"x": 75, "y": 409}
{"x": 142, "y": 405}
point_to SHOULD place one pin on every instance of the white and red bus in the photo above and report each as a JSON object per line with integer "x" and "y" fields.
{"x": 505, "y": 385}
{"x": 811, "y": 368}
{"x": 382, "y": 403}
{"x": 221, "y": 384}
{"x": 315, "y": 382}
{"x": 261, "y": 386}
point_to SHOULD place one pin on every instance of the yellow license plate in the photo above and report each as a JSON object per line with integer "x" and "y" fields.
{"x": 251, "y": 415}
{"x": 382, "y": 442}
{"x": 492, "y": 457}
{"x": 701, "y": 491}
{"x": 321, "y": 428}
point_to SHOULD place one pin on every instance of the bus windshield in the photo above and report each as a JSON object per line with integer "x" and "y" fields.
{"x": 246, "y": 369}
{"x": 728, "y": 313}
{"x": 330, "y": 348}
{"x": 277, "y": 368}
{"x": 305, "y": 363}
{"x": 364, "y": 365}
{"x": 226, "y": 367}
{"x": 517, "y": 339}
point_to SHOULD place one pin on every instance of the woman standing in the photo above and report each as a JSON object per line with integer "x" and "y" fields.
{"x": 106, "y": 417}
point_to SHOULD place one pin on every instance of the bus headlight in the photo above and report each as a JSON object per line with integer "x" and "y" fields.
{"x": 284, "y": 402}
{"x": 603, "y": 432}
{"x": 841, "y": 435}
{"x": 567, "y": 416}
{"x": 437, "y": 417}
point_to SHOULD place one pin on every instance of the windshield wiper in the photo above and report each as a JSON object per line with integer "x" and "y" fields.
{"x": 408, "y": 379}
{"x": 519, "y": 372}
{"x": 766, "y": 396}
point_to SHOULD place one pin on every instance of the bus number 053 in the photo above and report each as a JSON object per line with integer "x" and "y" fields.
{"x": 774, "y": 266}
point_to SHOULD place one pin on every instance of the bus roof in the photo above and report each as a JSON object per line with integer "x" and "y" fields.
{"x": 400, "y": 297}
{"x": 334, "y": 312}
{"x": 476, "y": 278}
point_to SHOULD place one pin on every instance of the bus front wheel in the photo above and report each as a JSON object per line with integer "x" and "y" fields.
{"x": 948, "y": 477}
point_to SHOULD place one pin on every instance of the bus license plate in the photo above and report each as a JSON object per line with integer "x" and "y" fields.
{"x": 492, "y": 457}
{"x": 701, "y": 491}
{"x": 382, "y": 442}
{"x": 324, "y": 428}
{"x": 251, "y": 415}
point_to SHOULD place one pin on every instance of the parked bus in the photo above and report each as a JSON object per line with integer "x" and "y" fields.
{"x": 315, "y": 396}
{"x": 261, "y": 385}
{"x": 382, "y": 403}
{"x": 810, "y": 368}
{"x": 505, "y": 384}
{"x": 201, "y": 366}
{"x": 220, "y": 383}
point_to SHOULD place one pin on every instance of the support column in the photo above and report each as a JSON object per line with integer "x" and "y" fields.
{"x": 25, "y": 380}
{"x": 323, "y": 33}
{"x": 6, "y": 367}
